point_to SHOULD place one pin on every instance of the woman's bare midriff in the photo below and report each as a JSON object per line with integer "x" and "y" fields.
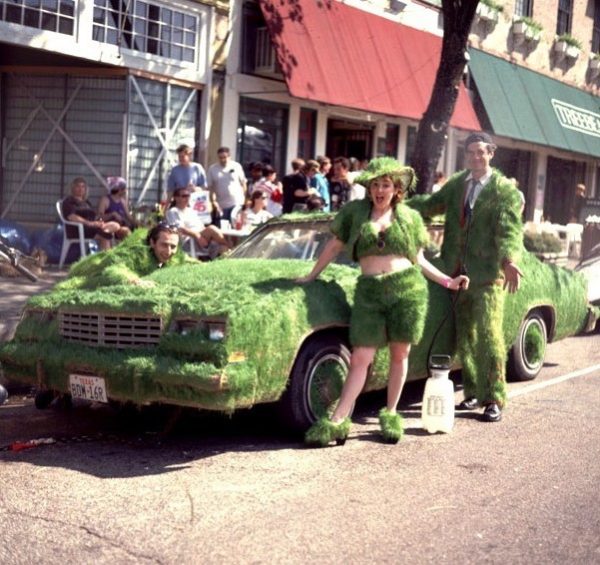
{"x": 381, "y": 264}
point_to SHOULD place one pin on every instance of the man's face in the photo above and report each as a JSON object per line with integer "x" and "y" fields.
{"x": 165, "y": 246}
{"x": 184, "y": 158}
{"x": 340, "y": 171}
{"x": 478, "y": 156}
{"x": 223, "y": 156}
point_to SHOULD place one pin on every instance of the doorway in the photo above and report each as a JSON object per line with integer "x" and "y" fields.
{"x": 349, "y": 139}
{"x": 562, "y": 177}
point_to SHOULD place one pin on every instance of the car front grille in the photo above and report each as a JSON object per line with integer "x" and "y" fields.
{"x": 122, "y": 331}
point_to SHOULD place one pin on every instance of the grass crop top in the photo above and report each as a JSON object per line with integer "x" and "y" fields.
{"x": 405, "y": 235}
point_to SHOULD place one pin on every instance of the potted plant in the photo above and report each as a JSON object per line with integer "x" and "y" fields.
{"x": 488, "y": 10}
{"x": 567, "y": 45}
{"x": 528, "y": 28}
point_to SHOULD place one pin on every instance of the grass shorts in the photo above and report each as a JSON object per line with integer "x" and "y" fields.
{"x": 389, "y": 308}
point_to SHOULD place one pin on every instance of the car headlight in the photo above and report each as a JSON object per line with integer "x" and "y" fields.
{"x": 214, "y": 329}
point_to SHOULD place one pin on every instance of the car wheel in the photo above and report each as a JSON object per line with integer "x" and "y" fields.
{"x": 526, "y": 356}
{"x": 316, "y": 381}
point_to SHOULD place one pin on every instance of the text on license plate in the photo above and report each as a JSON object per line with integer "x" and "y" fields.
{"x": 88, "y": 388}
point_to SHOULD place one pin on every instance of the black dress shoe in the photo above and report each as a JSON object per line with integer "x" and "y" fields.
{"x": 492, "y": 413}
{"x": 468, "y": 404}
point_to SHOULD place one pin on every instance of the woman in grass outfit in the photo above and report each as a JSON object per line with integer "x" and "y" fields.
{"x": 390, "y": 303}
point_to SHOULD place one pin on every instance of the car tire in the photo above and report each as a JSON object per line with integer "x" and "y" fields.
{"x": 316, "y": 381}
{"x": 526, "y": 357}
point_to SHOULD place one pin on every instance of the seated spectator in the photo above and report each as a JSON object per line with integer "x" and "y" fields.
{"x": 180, "y": 214}
{"x": 77, "y": 208}
{"x": 114, "y": 207}
{"x": 256, "y": 214}
{"x": 272, "y": 189}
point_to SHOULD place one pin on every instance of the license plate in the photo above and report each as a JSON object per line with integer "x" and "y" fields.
{"x": 88, "y": 388}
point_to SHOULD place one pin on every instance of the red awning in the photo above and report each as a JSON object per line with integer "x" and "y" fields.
{"x": 333, "y": 53}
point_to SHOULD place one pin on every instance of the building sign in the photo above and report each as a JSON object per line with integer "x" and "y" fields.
{"x": 575, "y": 118}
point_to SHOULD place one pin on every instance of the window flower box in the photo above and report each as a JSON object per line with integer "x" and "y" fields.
{"x": 488, "y": 13}
{"x": 567, "y": 45}
{"x": 572, "y": 52}
{"x": 526, "y": 29}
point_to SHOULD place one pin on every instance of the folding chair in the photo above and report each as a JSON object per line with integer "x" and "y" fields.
{"x": 68, "y": 241}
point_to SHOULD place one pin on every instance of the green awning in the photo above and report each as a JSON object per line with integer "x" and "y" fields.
{"x": 529, "y": 106}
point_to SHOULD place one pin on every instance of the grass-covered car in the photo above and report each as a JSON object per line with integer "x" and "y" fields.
{"x": 239, "y": 331}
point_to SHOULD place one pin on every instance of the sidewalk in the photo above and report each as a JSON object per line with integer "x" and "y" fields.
{"x": 14, "y": 292}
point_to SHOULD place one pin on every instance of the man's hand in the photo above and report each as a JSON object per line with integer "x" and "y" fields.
{"x": 512, "y": 276}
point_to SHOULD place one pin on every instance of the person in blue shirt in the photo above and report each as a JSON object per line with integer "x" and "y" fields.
{"x": 320, "y": 182}
{"x": 187, "y": 174}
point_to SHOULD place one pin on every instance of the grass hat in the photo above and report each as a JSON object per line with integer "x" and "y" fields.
{"x": 388, "y": 167}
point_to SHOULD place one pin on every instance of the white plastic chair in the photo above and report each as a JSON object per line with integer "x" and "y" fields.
{"x": 68, "y": 241}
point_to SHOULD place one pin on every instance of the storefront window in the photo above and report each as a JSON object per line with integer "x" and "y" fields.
{"x": 596, "y": 28}
{"x": 48, "y": 15}
{"x": 306, "y": 133}
{"x": 563, "y": 19}
{"x": 146, "y": 27}
{"x": 262, "y": 133}
{"x": 411, "y": 141}
{"x": 523, "y": 8}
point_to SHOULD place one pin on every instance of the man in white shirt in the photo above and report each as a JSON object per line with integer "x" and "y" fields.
{"x": 227, "y": 185}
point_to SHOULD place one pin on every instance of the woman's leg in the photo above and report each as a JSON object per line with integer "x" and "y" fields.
{"x": 212, "y": 233}
{"x": 397, "y": 373}
{"x": 360, "y": 360}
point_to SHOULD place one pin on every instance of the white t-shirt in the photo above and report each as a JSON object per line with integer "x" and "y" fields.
{"x": 186, "y": 218}
{"x": 252, "y": 218}
{"x": 227, "y": 183}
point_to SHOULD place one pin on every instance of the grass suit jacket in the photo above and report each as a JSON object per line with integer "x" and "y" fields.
{"x": 496, "y": 231}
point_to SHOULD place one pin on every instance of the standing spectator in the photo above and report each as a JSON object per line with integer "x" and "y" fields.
{"x": 578, "y": 202}
{"x": 302, "y": 188}
{"x": 256, "y": 174}
{"x": 272, "y": 188}
{"x": 439, "y": 180}
{"x": 77, "y": 208}
{"x": 291, "y": 182}
{"x": 320, "y": 182}
{"x": 187, "y": 174}
{"x": 483, "y": 235}
{"x": 256, "y": 213}
{"x": 339, "y": 185}
{"x": 114, "y": 207}
{"x": 227, "y": 185}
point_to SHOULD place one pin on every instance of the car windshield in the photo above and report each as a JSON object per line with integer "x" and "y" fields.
{"x": 297, "y": 240}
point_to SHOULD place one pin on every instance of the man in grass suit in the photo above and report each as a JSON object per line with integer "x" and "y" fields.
{"x": 483, "y": 238}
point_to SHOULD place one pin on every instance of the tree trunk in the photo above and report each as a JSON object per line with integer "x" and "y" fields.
{"x": 432, "y": 133}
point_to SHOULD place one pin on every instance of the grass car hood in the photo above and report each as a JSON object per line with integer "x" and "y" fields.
{"x": 240, "y": 289}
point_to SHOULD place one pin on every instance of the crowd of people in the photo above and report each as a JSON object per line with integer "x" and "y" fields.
{"x": 383, "y": 234}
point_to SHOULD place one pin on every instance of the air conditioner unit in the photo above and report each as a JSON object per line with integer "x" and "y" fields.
{"x": 265, "y": 61}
